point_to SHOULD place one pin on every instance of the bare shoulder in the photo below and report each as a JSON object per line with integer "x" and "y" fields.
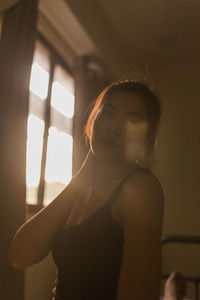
{"x": 141, "y": 197}
{"x": 141, "y": 184}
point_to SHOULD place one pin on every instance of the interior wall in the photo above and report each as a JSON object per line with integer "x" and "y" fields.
{"x": 1, "y": 22}
{"x": 178, "y": 162}
{"x": 178, "y": 158}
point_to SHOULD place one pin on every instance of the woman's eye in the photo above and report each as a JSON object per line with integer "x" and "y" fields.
{"x": 134, "y": 119}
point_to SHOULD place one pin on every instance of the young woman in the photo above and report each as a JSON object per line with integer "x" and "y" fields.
{"x": 105, "y": 228}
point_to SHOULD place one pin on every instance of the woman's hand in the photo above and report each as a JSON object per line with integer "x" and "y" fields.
{"x": 175, "y": 287}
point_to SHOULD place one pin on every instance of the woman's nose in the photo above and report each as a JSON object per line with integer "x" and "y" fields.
{"x": 115, "y": 128}
{"x": 114, "y": 131}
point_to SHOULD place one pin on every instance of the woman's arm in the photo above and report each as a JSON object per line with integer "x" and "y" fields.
{"x": 33, "y": 240}
{"x": 141, "y": 209}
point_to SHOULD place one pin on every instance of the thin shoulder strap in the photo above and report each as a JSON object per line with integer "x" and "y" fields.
{"x": 116, "y": 192}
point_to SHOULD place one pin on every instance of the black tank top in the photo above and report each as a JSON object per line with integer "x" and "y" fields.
{"x": 88, "y": 255}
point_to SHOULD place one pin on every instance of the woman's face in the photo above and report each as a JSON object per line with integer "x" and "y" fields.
{"x": 120, "y": 128}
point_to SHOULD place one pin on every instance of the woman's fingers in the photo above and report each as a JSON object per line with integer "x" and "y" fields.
{"x": 175, "y": 286}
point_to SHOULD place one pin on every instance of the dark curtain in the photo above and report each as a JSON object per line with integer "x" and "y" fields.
{"x": 91, "y": 76}
{"x": 16, "y": 53}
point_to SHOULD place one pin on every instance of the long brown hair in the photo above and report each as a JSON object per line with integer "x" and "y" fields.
{"x": 152, "y": 103}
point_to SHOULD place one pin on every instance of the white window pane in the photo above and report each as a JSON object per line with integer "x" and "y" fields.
{"x": 34, "y": 154}
{"x": 52, "y": 190}
{"x": 34, "y": 150}
{"x": 59, "y": 163}
{"x": 59, "y": 157}
{"x": 40, "y": 71}
{"x": 39, "y": 81}
{"x": 64, "y": 78}
{"x": 62, "y": 100}
{"x": 35, "y": 127}
{"x": 31, "y": 195}
{"x": 35, "y": 131}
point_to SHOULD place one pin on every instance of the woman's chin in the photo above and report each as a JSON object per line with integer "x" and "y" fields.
{"x": 115, "y": 155}
{"x": 107, "y": 154}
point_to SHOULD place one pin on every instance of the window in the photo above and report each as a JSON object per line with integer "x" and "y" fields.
{"x": 49, "y": 127}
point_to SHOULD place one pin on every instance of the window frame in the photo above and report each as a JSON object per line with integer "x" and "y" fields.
{"x": 54, "y": 59}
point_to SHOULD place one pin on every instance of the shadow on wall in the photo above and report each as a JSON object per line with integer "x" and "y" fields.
{"x": 178, "y": 162}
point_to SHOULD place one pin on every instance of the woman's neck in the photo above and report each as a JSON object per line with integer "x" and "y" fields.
{"x": 105, "y": 172}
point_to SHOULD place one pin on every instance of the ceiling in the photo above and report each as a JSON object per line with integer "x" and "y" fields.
{"x": 144, "y": 33}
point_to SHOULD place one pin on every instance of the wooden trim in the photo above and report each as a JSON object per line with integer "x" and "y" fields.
{"x": 46, "y": 133}
{"x": 7, "y": 4}
{"x": 32, "y": 209}
{"x": 57, "y": 57}
{"x": 16, "y": 55}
